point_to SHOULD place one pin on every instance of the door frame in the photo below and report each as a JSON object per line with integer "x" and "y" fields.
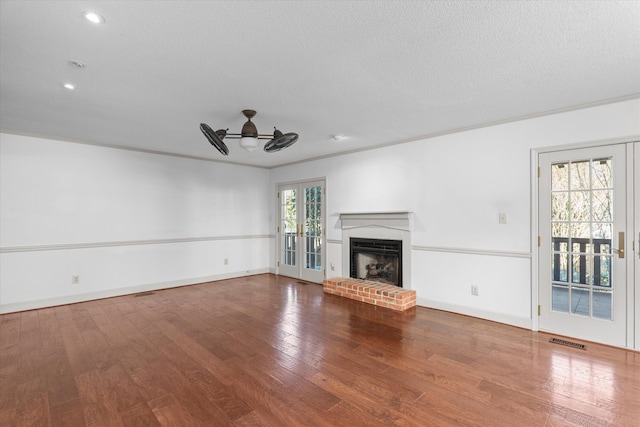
{"x": 633, "y": 157}
{"x": 277, "y": 245}
{"x": 633, "y": 289}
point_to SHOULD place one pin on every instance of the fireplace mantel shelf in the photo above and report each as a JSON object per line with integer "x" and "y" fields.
{"x": 400, "y": 220}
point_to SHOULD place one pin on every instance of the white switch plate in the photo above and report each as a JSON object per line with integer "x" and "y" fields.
{"x": 502, "y": 218}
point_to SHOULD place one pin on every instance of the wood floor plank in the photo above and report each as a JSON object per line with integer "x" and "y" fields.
{"x": 205, "y": 383}
{"x": 268, "y": 350}
{"x": 292, "y": 384}
{"x": 97, "y": 400}
{"x": 61, "y": 389}
{"x": 354, "y": 417}
{"x": 68, "y": 413}
{"x": 78, "y": 354}
{"x": 168, "y": 412}
{"x": 366, "y": 404}
{"x": 189, "y": 399}
{"x": 251, "y": 419}
{"x": 139, "y": 415}
{"x": 32, "y": 406}
{"x": 265, "y": 396}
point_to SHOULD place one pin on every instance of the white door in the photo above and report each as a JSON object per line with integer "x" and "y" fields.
{"x": 301, "y": 237}
{"x": 582, "y": 263}
{"x": 636, "y": 241}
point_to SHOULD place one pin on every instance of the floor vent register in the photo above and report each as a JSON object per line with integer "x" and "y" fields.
{"x": 568, "y": 343}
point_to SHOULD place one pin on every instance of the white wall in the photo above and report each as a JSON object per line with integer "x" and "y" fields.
{"x": 121, "y": 220}
{"x": 456, "y": 185}
{"x": 126, "y": 221}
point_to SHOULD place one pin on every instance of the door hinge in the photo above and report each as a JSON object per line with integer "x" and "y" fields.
{"x": 278, "y": 264}
{"x": 324, "y": 273}
{"x": 278, "y": 229}
{"x": 538, "y": 171}
{"x": 278, "y": 194}
{"x": 538, "y": 309}
{"x": 539, "y": 241}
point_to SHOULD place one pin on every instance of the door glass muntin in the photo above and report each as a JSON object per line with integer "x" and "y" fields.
{"x": 582, "y": 229}
{"x": 288, "y": 213}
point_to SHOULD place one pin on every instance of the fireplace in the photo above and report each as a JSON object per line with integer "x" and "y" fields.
{"x": 382, "y": 242}
{"x": 377, "y": 260}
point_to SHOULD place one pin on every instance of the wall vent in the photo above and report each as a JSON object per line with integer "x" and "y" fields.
{"x": 143, "y": 294}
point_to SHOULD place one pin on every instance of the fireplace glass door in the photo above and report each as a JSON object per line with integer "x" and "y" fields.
{"x": 376, "y": 260}
{"x": 301, "y": 230}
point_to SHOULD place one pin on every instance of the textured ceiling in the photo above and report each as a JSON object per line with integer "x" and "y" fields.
{"x": 379, "y": 72}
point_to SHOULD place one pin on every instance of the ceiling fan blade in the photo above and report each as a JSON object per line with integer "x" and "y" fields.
{"x": 215, "y": 139}
{"x": 280, "y": 141}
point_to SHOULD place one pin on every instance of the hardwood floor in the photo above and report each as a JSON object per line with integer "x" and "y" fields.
{"x": 268, "y": 350}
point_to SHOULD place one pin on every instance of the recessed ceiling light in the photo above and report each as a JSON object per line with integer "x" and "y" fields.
{"x": 94, "y": 17}
{"x": 77, "y": 64}
{"x": 69, "y": 86}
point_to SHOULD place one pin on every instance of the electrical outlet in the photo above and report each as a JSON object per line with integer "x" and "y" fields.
{"x": 75, "y": 279}
{"x": 226, "y": 261}
{"x": 474, "y": 290}
{"x": 333, "y": 267}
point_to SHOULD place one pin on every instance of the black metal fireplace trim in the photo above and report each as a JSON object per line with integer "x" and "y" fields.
{"x": 377, "y": 246}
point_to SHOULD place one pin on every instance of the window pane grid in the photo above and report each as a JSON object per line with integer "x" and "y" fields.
{"x": 582, "y": 228}
{"x": 312, "y": 228}
{"x": 288, "y": 234}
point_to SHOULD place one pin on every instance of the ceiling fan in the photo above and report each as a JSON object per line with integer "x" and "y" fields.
{"x": 249, "y": 137}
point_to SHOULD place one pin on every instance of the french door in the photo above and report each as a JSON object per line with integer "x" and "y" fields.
{"x": 636, "y": 241}
{"x": 582, "y": 258}
{"x": 300, "y": 231}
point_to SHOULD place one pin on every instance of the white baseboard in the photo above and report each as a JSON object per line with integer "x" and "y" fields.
{"x": 109, "y": 293}
{"x": 521, "y": 322}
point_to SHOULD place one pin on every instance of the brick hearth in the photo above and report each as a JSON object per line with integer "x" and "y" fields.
{"x": 388, "y": 296}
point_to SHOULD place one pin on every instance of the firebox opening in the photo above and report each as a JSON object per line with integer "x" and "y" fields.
{"x": 377, "y": 260}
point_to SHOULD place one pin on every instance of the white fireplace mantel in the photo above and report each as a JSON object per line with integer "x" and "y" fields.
{"x": 398, "y": 220}
{"x": 378, "y": 225}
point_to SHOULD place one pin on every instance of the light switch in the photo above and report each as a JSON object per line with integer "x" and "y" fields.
{"x": 502, "y": 218}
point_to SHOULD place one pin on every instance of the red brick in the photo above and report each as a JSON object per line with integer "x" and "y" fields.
{"x": 381, "y": 294}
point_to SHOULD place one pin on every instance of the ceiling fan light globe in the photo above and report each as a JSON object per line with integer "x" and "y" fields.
{"x": 249, "y": 143}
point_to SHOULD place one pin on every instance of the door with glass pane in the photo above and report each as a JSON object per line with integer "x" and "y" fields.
{"x": 301, "y": 230}
{"x": 582, "y": 214}
{"x": 636, "y": 241}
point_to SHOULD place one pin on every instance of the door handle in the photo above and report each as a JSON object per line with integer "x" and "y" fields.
{"x": 620, "y": 250}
